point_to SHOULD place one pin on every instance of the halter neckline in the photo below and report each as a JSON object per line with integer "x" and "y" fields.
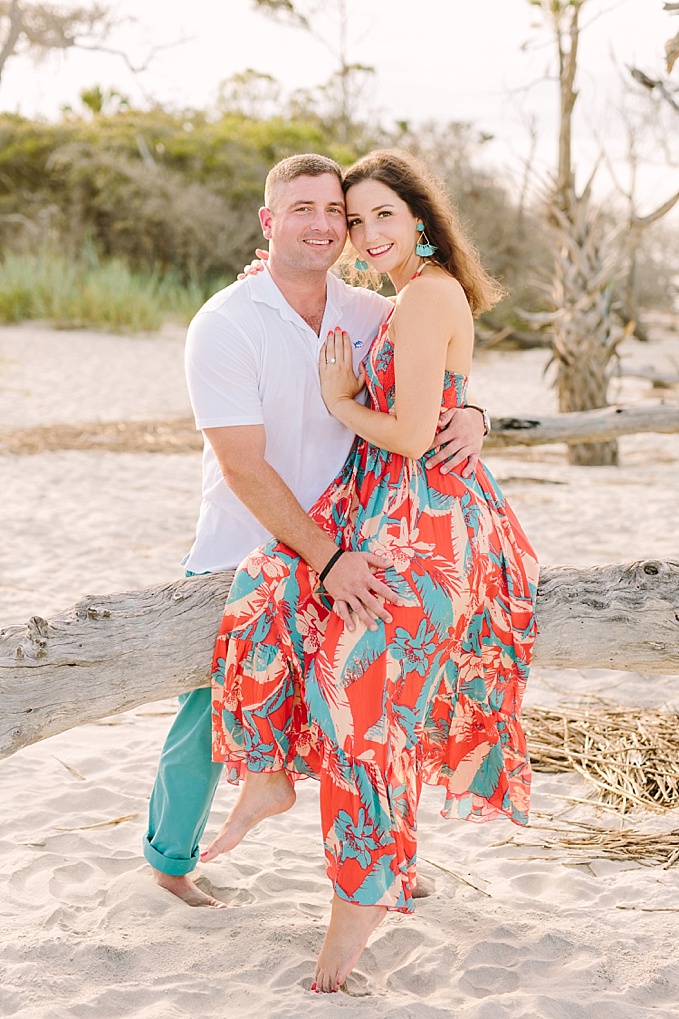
{"x": 419, "y": 270}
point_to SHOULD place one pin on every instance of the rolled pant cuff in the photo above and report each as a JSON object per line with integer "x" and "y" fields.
{"x": 166, "y": 864}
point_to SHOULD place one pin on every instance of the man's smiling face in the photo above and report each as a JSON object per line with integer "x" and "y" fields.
{"x": 306, "y": 223}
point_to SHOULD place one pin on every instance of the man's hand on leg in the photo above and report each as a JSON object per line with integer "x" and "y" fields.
{"x": 354, "y": 588}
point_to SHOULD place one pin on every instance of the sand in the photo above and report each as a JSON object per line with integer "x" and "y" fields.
{"x": 512, "y": 930}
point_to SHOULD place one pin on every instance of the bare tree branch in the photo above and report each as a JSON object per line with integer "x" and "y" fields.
{"x": 345, "y": 87}
{"x": 12, "y": 12}
{"x": 134, "y": 67}
{"x": 641, "y": 222}
{"x": 655, "y": 84}
{"x": 36, "y": 29}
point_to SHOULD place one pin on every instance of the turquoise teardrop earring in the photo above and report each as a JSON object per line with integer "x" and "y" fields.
{"x": 360, "y": 265}
{"x": 423, "y": 248}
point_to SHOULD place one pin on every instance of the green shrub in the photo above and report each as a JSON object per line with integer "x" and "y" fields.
{"x": 173, "y": 192}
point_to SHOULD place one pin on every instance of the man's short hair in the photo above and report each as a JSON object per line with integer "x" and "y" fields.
{"x": 306, "y": 164}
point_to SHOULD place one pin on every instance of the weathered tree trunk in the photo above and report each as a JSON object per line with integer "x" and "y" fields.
{"x": 582, "y": 387}
{"x": 112, "y": 653}
{"x": 565, "y": 19}
{"x": 586, "y": 426}
{"x": 583, "y": 339}
{"x": 591, "y": 257}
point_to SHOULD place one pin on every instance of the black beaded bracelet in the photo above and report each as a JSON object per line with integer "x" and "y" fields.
{"x": 331, "y": 562}
{"x": 485, "y": 415}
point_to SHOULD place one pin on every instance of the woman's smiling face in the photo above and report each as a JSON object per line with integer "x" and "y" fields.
{"x": 381, "y": 226}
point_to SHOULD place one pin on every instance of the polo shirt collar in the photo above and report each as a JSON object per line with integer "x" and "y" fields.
{"x": 263, "y": 290}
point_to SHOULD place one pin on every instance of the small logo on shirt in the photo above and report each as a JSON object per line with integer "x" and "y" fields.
{"x": 357, "y": 343}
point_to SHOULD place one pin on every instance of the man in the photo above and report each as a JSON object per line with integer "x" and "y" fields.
{"x": 271, "y": 450}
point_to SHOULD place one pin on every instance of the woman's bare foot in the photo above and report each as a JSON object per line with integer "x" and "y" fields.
{"x": 263, "y": 794}
{"x": 183, "y": 887}
{"x": 348, "y": 931}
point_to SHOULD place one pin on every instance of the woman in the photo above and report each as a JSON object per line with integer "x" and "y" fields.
{"x": 304, "y": 687}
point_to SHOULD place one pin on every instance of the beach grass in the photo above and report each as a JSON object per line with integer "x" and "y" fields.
{"x": 92, "y": 293}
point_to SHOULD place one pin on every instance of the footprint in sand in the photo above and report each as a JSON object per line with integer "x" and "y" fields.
{"x": 480, "y": 981}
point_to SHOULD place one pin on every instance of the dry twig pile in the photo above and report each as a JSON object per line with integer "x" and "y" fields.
{"x": 632, "y": 758}
{"x": 648, "y": 848}
{"x": 631, "y": 755}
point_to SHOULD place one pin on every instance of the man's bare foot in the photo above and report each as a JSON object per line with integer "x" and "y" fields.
{"x": 263, "y": 794}
{"x": 423, "y": 887}
{"x": 349, "y": 929}
{"x": 183, "y": 887}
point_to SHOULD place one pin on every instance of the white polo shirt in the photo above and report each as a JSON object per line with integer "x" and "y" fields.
{"x": 252, "y": 360}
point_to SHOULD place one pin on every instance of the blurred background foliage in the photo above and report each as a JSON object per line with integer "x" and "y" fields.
{"x": 170, "y": 199}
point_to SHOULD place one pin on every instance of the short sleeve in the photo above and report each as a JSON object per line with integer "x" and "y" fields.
{"x": 222, "y": 373}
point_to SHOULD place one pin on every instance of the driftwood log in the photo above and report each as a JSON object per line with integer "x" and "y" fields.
{"x": 583, "y": 426}
{"x": 179, "y": 435}
{"x": 111, "y": 653}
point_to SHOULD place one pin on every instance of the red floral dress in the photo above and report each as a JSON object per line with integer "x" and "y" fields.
{"x": 433, "y": 696}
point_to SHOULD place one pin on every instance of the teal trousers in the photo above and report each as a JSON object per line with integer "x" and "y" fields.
{"x": 184, "y": 787}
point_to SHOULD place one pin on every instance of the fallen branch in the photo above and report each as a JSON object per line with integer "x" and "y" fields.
{"x": 583, "y": 426}
{"x": 179, "y": 435}
{"x": 112, "y": 653}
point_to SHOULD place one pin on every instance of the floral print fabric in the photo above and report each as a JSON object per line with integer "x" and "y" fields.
{"x": 434, "y": 696}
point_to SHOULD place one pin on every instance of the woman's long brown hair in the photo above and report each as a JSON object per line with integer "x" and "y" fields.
{"x": 425, "y": 196}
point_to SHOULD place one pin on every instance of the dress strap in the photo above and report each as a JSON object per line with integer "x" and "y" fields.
{"x": 419, "y": 270}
